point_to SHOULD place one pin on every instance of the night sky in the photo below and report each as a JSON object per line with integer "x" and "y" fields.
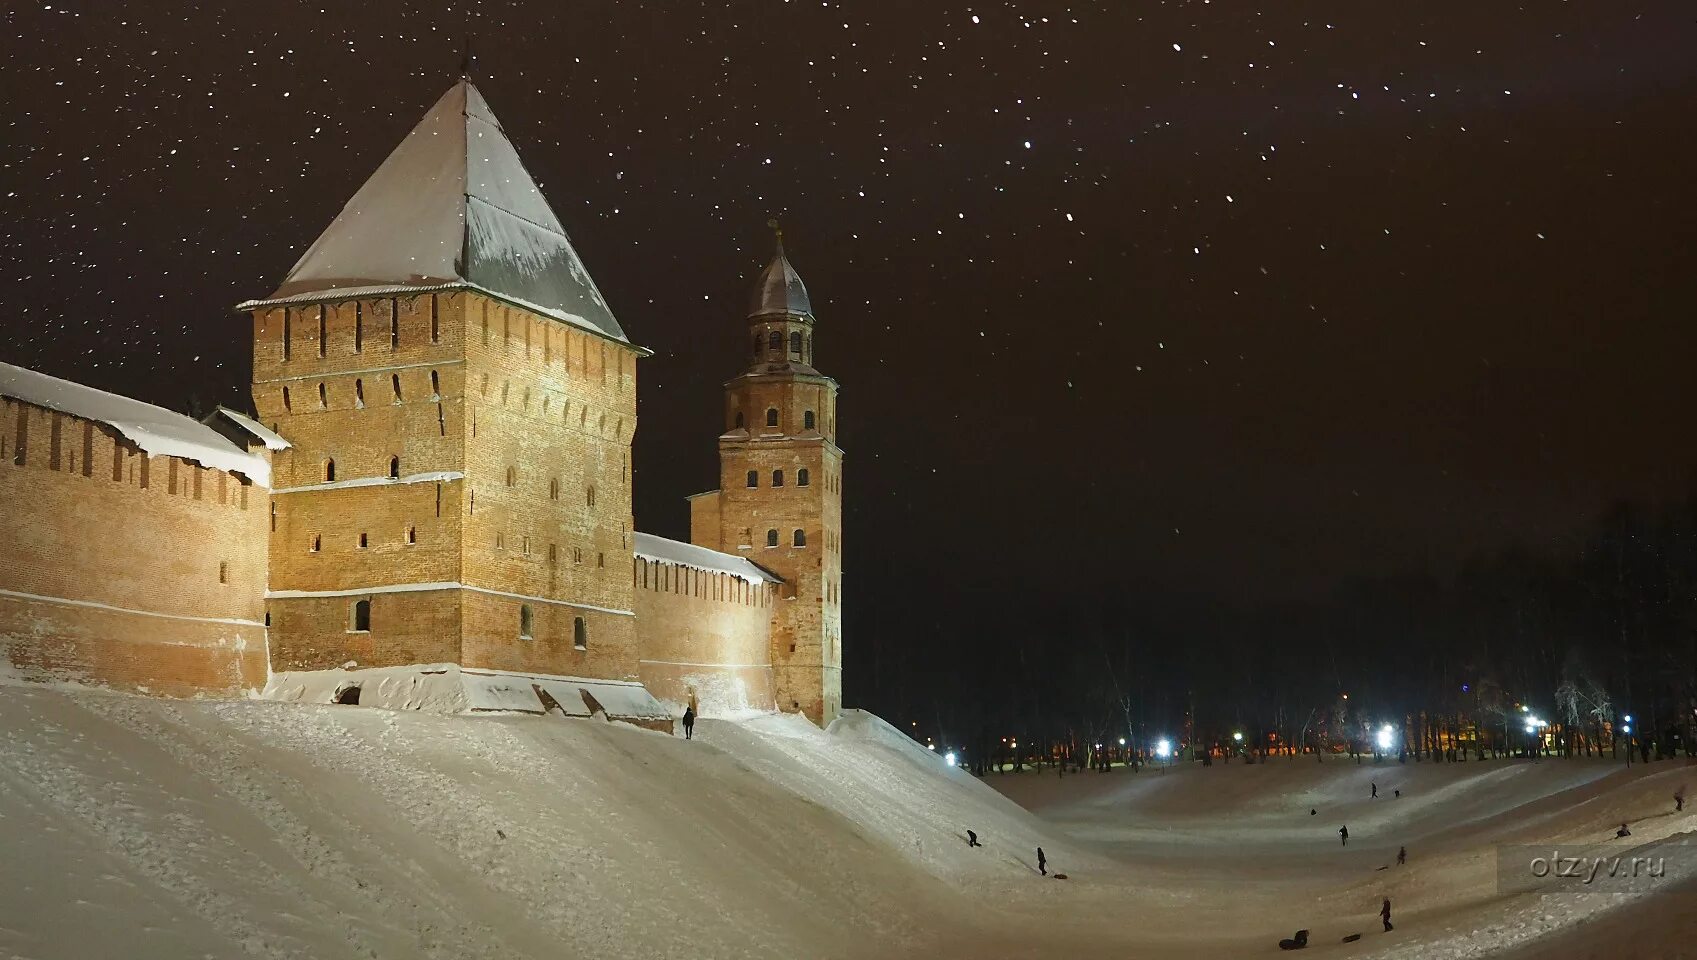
{"x": 1226, "y": 299}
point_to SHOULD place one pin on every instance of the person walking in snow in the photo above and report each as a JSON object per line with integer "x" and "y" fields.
{"x": 1375, "y": 787}
{"x": 1385, "y": 914}
{"x": 689, "y": 723}
{"x": 1401, "y": 856}
{"x": 1679, "y": 800}
{"x": 972, "y": 839}
{"x": 1622, "y": 832}
{"x": 1042, "y": 862}
{"x": 1343, "y": 833}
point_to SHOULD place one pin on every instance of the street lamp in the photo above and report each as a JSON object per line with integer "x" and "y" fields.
{"x": 1387, "y": 737}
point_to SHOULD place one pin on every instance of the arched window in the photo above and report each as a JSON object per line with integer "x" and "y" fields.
{"x": 364, "y": 541}
{"x": 512, "y": 476}
{"x": 329, "y": 471}
{"x": 757, "y": 345}
{"x": 412, "y": 534}
{"x": 317, "y": 542}
{"x": 348, "y": 696}
{"x": 754, "y": 478}
{"x": 359, "y": 393}
{"x": 802, "y": 477}
{"x": 360, "y": 617}
{"x": 395, "y": 382}
{"x": 580, "y": 634}
{"x": 775, "y": 341}
{"x": 554, "y": 489}
{"x": 777, "y": 478}
{"x": 801, "y": 538}
{"x": 591, "y": 496}
{"x": 795, "y": 344}
{"x": 524, "y": 621}
{"x": 771, "y": 538}
{"x": 771, "y": 416}
{"x": 394, "y": 468}
{"x": 740, "y": 423}
{"x": 807, "y": 420}
{"x": 323, "y": 396}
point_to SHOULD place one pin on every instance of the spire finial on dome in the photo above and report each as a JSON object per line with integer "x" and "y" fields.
{"x": 777, "y": 233}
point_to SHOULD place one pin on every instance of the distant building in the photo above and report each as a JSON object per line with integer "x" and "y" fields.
{"x": 441, "y": 464}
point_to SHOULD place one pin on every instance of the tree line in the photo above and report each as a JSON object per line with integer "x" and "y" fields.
{"x": 1456, "y": 666}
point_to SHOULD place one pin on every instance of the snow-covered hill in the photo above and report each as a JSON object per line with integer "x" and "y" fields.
{"x": 143, "y": 828}
{"x": 150, "y": 829}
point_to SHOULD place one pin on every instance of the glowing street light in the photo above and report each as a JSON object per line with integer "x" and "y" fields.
{"x": 1164, "y": 749}
{"x": 1122, "y": 741}
{"x": 949, "y": 758}
{"x": 1237, "y": 736}
{"x": 1387, "y": 738}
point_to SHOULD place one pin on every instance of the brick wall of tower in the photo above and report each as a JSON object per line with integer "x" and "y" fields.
{"x": 552, "y": 411}
{"x": 805, "y": 650}
{"x": 373, "y": 386}
{"x": 512, "y": 433}
{"x": 705, "y": 638}
{"x": 121, "y": 569}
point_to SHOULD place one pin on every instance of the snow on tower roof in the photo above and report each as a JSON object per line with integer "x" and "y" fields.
{"x": 779, "y": 291}
{"x": 451, "y": 208}
{"x": 259, "y": 431}
{"x": 156, "y": 430}
{"x": 662, "y": 550}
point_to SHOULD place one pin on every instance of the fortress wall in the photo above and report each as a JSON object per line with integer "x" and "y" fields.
{"x": 705, "y": 637}
{"x": 125, "y": 569}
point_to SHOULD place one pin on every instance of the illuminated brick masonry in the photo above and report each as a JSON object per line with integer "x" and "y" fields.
{"x": 446, "y": 406}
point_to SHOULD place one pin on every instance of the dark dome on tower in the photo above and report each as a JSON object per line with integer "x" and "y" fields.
{"x": 779, "y": 291}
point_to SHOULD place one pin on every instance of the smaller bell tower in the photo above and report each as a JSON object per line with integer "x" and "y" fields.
{"x": 779, "y": 501}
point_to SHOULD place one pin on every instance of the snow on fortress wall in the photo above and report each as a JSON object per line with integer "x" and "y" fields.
{"x": 121, "y": 568}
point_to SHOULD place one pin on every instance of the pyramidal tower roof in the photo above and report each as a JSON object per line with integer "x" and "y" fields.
{"x": 451, "y": 208}
{"x": 779, "y": 291}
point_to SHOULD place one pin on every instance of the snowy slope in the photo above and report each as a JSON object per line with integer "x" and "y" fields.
{"x": 153, "y": 829}
{"x": 143, "y": 828}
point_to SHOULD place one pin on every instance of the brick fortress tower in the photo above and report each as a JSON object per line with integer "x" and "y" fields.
{"x": 460, "y": 403}
{"x": 779, "y": 501}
